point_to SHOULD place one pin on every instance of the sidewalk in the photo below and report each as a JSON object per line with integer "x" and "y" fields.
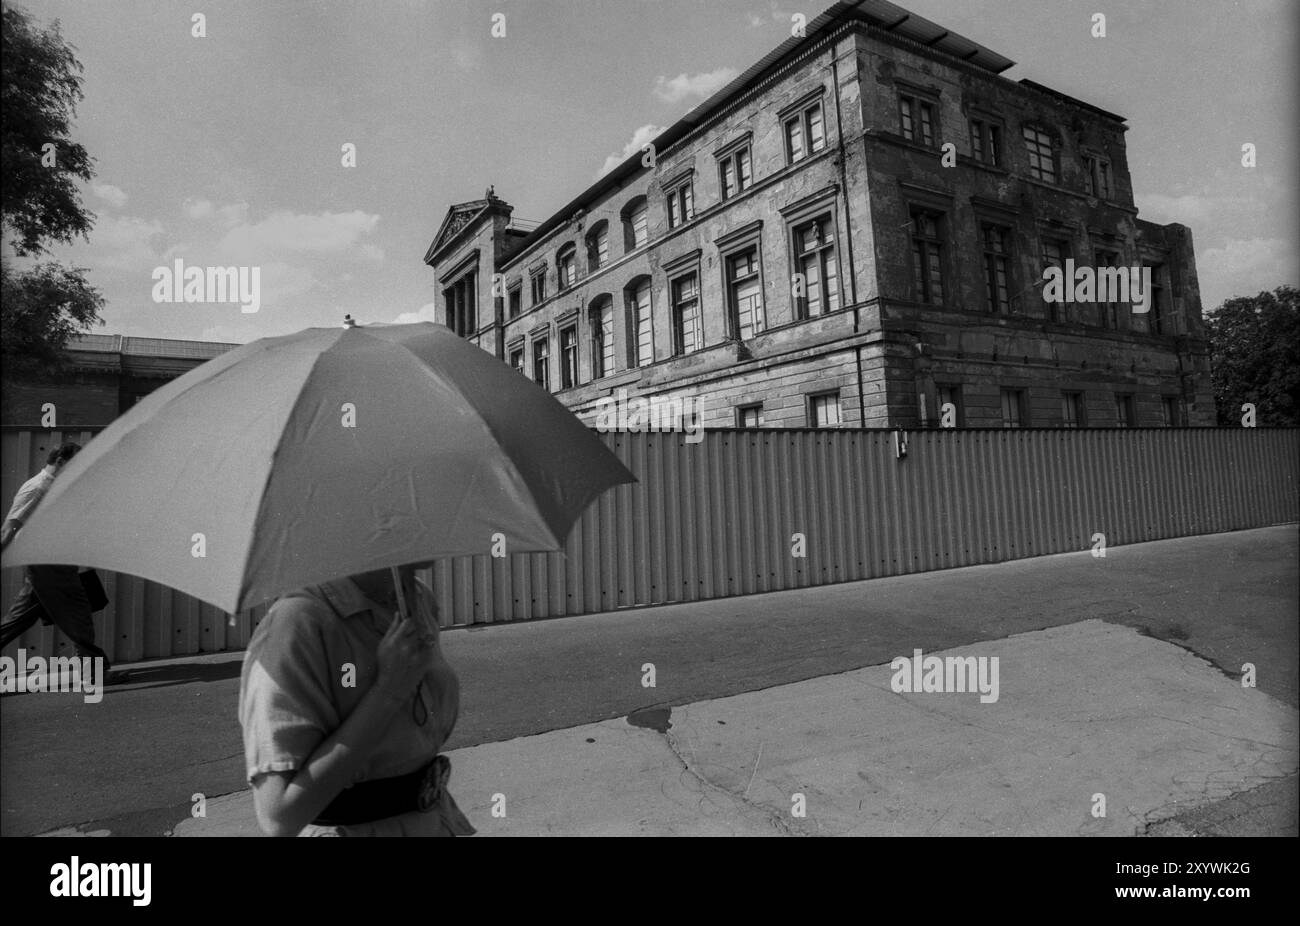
{"x": 1083, "y": 710}
{"x": 1103, "y": 690}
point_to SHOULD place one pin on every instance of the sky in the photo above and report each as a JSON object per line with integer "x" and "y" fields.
{"x": 227, "y": 149}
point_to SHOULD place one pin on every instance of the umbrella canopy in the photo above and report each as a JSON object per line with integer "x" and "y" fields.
{"x": 333, "y": 451}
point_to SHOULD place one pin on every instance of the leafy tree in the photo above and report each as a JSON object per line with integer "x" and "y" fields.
{"x": 1255, "y": 357}
{"x": 42, "y": 309}
{"x": 40, "y": 203}
{"x": 39, "y": 91}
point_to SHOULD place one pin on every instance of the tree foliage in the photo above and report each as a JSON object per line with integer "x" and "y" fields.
{"x": 40, "y": 87}
{"x": 1255, "y": 357}
{"x": 43, "y": 308}
{"x": 40, "y": 201}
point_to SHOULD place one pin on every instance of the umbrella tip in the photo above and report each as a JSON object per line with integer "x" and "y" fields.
{"x": 349, "y": 321}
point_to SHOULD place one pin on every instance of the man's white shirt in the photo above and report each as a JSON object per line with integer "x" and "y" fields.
{"x": 29, "y": 496}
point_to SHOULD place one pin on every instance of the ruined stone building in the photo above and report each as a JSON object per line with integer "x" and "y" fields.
{"x": 803, "y": 253}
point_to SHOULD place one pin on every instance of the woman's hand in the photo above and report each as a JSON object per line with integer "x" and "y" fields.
{"x": 403, "y": 658}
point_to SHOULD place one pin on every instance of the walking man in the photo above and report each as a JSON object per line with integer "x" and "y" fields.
{"x": 52, "y": 594}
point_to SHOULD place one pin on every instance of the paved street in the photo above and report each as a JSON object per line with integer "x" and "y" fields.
{"x": 1118, "y": 676}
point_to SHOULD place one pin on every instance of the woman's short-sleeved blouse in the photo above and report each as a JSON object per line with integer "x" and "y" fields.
{"x": 310, "y": 662}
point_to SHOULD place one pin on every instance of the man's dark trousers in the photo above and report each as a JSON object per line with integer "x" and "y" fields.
{"x": 54, "y": 592}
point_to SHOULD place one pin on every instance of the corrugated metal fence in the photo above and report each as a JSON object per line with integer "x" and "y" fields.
{"x": 731, "y": 515}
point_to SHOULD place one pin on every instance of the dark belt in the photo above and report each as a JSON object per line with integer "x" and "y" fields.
{"x": 388, "y": 797}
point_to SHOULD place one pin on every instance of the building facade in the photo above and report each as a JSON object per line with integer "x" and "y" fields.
{"x": 853, "y": 232}
{"x": 104, "y": 375}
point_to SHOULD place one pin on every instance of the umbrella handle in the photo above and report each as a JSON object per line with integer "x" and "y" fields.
{"x": 403, "y": 611}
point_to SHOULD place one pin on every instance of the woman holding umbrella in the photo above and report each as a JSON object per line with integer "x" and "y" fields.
{"x": 331, "y": 454}
{"x": 344, "y": 703}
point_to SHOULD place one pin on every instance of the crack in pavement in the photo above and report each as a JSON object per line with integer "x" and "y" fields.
{"x": 773, "y": 817}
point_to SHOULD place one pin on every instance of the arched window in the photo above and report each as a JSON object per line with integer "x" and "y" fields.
{"x": 598, "y": 246}
{"x": 640, "y": 333}
{"x": 600, "y": 318}
{"x": 566, "y": 265}
{"x": 635, "y": 231}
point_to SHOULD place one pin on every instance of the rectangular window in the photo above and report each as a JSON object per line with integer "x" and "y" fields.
{"x": 638, "y": 321}
{"x": 1042, "y": 156}
{"x": 949, "y": 395}
{"x": 568, "y": 357}
{"x": 736, "y": 172}
{"x": 805, "y": 134}
{"x": 817, "y": 264}
{"x": 598, "y": 248}
{"x": 918, "y": 122}
{"x": 824, "y": 410}
{"x": 813, "y": 128}
{"x": 602, "y": 339}
{"x": 1072, "y": 410}
{"x": 1097, "y": 177}
{"x": 794, "y": 149}
{"x": 1124, "y": 413}
{"x": 927, "y": 256}
{"x": 744, "y": 293}
{"x": 1171, "y": 409}
{"x": 681, "y": 205}
{"x": 986, "y": 142}
{"x": 636, "y": 233}
{"x": 567, "y": 266}
{"x": 1013, "y": 408}
{"x": 997, "y": 287}
{"x": 1055, "y": 253}
{"x": 515, "y": 298}
{"x": 517, "y": 359}
{"x": 1108, "y": 307}
{"x": 688, "y": 335}
{"x": 537, "y": 286}
{"x": 541, "y": 361}
{"x": 749, "y": 416}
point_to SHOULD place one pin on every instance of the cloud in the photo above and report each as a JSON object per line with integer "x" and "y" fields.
{"x": 755, "y": 20}
{"x": 121, "y": 243}
{"x": 232, "y": 214}
{"x": 227, "y": 216}
{"x": 426, "y": 313}
{"x": 1244, "y": 267}
{"x": 1196, "y": 210}
{"x": 198, "y": 208}
{"x": 1226, "y": 199}
{"x": 640, "y": 138}
{"x": 321, "y": 233}
{"x": 228, "y": 334}
{"x": 676, "y": 89}
{"x": 1244, "y": 255}
{"x": 283, "y": 282}
{"x": 110, "y": 194}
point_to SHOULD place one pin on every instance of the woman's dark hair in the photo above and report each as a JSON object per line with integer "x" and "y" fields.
{"x": 62, "y": 454}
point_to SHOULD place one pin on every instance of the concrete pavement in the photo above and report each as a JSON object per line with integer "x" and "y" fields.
{"x": 1083, "y": 710}
{"x": 1111, "y": 701}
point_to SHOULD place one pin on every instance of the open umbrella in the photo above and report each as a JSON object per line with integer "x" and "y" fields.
{"x": 297, "y": 459}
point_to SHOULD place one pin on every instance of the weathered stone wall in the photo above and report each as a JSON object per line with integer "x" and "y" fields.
{"x": 964, "y": 341}
{"x": 883, "y": 350}
{"x": 789, "y": 354}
